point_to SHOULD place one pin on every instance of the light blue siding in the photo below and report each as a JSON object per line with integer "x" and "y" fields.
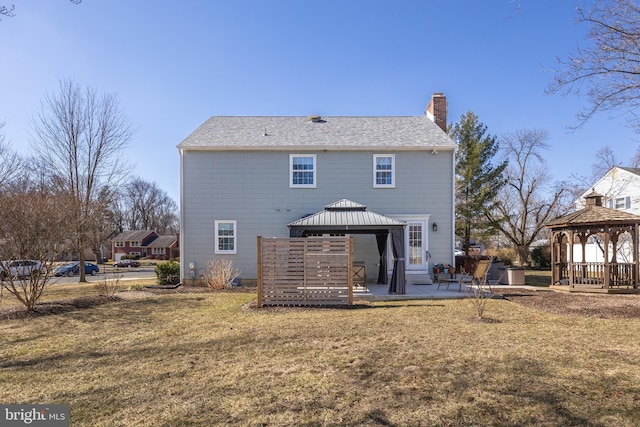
{"x": 252, "y": 188}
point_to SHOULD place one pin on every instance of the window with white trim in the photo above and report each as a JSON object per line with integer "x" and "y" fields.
{"x": 620, "y": 203}
{"x": 302, "y": 171}
{"x": 119, "y": 244}
{"x": 134, "y": 244}
{"x": 158, "y": 251}
{"x": 225, "y": 239}
{"x": 384, "y": 170}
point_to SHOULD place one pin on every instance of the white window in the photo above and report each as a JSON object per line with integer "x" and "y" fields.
{"x": 384, "y": 170}
{"x": 302, "y": 171}
{"x": 134, "y": 244}
{"x": 225, "y": 237}
{"x": 622, "y": 203}
{"x": 158, "y": 251}
{"x": 119, "y": 244}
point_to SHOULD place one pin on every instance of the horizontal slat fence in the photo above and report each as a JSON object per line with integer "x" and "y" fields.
{"x": 312, "y": 271}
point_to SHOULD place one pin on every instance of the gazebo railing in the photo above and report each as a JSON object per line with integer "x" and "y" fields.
{"x": 593, "y": 273}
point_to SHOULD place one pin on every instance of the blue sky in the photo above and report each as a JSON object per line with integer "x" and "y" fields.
{"x": 175, "y": 64}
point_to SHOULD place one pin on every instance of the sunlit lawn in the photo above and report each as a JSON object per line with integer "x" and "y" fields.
{"x": 203, "y": 359}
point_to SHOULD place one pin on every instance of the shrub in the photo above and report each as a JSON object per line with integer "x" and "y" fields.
{"x": 109, "y": 285}
{"x": 541, "y": 257}
{"x": 168, "y": 273}
{"x": 219, "y": 273}
{"x": 506, "y": 255}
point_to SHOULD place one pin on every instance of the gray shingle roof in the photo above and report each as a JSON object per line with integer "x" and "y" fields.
{"x": 339, "y": 133}
{"x": 163, "y": 242}
{"x": 132, "y": 236}
{"x": 635, "y": 171}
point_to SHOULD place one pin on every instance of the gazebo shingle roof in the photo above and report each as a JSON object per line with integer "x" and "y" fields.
{"x": 596, "y": 215}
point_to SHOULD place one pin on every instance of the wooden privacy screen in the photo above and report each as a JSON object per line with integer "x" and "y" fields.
{"x": 312, "y": 271}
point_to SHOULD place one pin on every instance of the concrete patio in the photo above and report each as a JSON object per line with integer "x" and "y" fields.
{"x": 375, "y": 292}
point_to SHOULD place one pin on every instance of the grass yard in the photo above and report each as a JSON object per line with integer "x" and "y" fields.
{"x": 205, "y": 359}
{"x": 537, "y": 277}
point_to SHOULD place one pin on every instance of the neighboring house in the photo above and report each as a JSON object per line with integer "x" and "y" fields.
{"x": 145, "y": 244}
{"x": 243, "y": 177}
{"x": 620, "y": 188}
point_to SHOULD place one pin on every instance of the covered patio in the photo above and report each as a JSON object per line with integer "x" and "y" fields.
{"x": 348, "y": 217}
{"x": 611, "y": 266}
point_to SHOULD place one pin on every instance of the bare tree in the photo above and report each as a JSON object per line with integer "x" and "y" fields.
{"x": 32, "y": 230}
{"x": 9, "y": 10}
{"x": 10, "y": 162}
{"x": 80, "y": 137}
{"x": 148, "y": 207}
{"x": 607, "y": 69}
{"x": 605, "y": 160}
{"x": 525, "y": 203}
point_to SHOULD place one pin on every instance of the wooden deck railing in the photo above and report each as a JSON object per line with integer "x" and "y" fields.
{"x": 593, "y": 273}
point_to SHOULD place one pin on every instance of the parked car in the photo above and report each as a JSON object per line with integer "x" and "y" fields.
{"x": 458, "y": 252}
{"x": 74, "y": 268}
{"x": 127, "y": 263}
{"x": 20, "y": 268}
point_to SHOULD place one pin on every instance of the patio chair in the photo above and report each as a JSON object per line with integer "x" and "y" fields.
{"x": 479, "y": 275}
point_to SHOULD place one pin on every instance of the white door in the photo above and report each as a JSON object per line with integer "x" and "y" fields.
{"x": 415, "y": 241}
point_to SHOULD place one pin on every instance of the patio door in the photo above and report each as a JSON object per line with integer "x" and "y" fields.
{"x": 415, "y": 241}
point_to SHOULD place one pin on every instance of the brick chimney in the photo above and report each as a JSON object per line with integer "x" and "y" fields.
{"x": 437, "y": 110}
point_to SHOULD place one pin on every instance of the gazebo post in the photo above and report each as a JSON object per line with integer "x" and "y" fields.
{"x": 607, "y": 270}
{"x": 571, "y": 241}
{"x": 554, "y": 257}
{"x": 636, "y": 264}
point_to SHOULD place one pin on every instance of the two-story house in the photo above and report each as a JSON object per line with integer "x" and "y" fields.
{"x": 243, "y": 177}
{"x": 620, "y": 188}
{"x": 145, "y": 244}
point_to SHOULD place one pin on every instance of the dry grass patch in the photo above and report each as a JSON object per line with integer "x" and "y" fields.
{"x": 201, "y": 359}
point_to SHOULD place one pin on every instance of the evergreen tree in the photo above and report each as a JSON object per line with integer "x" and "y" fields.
{"x": 478, "y": 180}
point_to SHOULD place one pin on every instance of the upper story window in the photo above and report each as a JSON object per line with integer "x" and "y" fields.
{"x": 302, "y": 170}
{"x": 225, "y": 237}
{"x": 134, "y": 244}
{"x": 384, "y": 170}
{"x": 622, "y": 202}
{"x": 119, "y": 244}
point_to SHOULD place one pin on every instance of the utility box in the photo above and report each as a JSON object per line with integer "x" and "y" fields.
{"x": 515, "y": 276}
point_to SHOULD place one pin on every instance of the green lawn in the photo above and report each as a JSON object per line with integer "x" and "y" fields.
{"x": 203, "y": 359}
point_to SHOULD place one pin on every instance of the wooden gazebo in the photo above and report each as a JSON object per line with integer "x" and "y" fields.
{"x": 615, "y": 234}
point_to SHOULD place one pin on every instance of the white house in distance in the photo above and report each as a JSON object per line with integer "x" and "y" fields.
{"x": 243, "y": 177}
{"x": 620, "y": 188}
